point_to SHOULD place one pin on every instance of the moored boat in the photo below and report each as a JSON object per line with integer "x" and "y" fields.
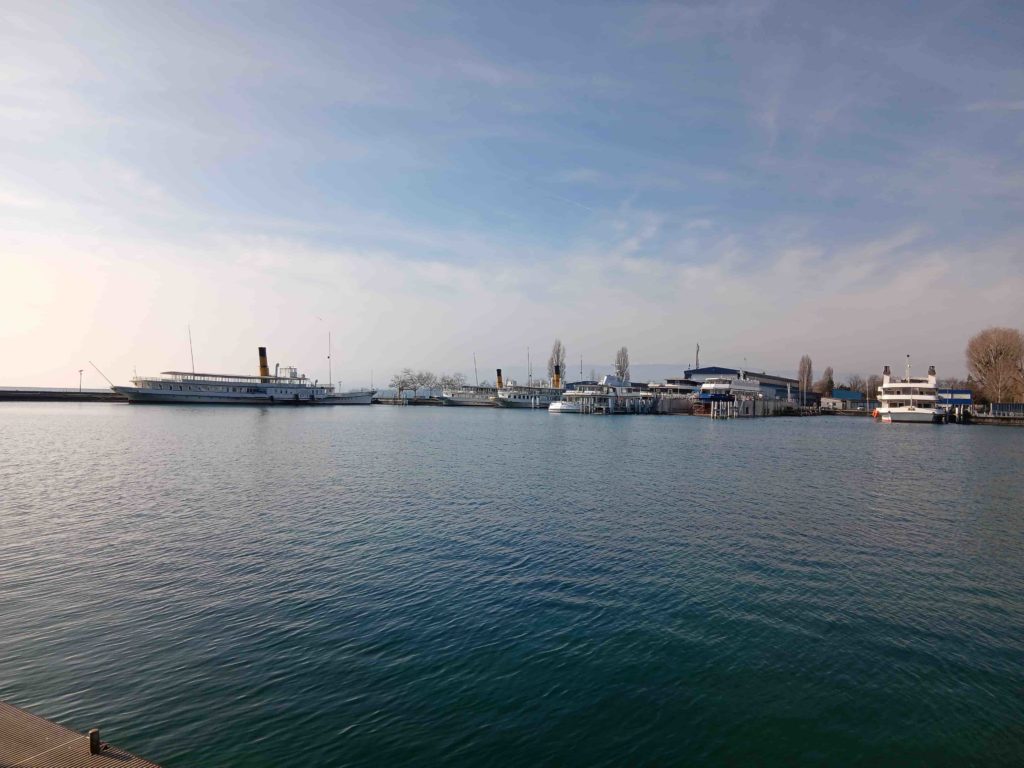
{"x": 729, "y": 387}
{"x": 285, "y": 387}
{"x": 512, "y": 395}
{"x": 610, "y": 395}
{"x": 527, "y": 397}
{"x": 565, "y": 406}
{"x": 909, "y": 400}
{"x": 469, "y": 396}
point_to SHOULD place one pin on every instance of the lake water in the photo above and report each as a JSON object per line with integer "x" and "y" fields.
{"x": 412, "y": 586}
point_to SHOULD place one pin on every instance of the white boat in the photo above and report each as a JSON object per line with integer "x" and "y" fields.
{"x": 515, "y": 396}
{"x": 469, "y": 396}
{"x": 611, "y": 395}
{"x": 512, "y": 395}
{"x": 910, "y": 400}
{"x": 729, "y": 387}
{"x": 285, "y": 387}
{"x": 566, "y": 406}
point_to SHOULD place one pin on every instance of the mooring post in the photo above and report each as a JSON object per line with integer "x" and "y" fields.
{"x": 94, "y": 741}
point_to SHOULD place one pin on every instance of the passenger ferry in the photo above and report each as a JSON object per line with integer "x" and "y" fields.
{"x": 286, "y": 387}
{"x": 728, "y": 388}
{"x": 468, "y": 395}
{"x": 511, "y": 395}
{"x": 515, "y": 396}
{"x": 911, "y": 400}
{"x": 611, "y": 395}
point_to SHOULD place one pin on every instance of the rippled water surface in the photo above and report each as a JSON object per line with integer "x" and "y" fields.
{"x": 410, "y": 586}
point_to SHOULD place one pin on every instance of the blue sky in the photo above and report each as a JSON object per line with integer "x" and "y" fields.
{"x": 433, "y": 180}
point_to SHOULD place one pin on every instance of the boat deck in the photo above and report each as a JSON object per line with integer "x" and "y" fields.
{"x": 30, "y": 741}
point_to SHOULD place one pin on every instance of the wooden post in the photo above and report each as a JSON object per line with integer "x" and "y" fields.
{"x": 94, "y": 741}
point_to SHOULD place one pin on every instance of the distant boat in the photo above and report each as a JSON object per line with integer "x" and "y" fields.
{"x": 285, "y": 387}
{"x": 515, "y": 396}
{"x": 909, "y": 400}
{"x": 728, "y": 387}
{"x": 566, "y": 406}
{"x": 468, "y": 395}
{"x": 610, "y": 395}
{"x": 512, "y": 395}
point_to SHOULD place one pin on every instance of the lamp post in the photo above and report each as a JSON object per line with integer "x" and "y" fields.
{"x": 80, "y": 379}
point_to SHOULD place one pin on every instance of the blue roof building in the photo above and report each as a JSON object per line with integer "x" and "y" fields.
{"x": 846, "y": 394}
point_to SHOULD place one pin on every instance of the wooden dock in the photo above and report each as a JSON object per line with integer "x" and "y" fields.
{"x": 29, "y": 741}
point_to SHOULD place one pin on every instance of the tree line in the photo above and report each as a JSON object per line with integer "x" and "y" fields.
{"x": 408, "y": 380}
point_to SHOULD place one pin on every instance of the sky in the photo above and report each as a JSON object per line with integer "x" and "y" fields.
{"x": 429, "y": 181}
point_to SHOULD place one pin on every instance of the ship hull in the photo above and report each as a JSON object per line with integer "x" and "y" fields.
{"x": 536, "y": 404}
{"x": 141, "y": 396}
{"x": 910, "y": 417}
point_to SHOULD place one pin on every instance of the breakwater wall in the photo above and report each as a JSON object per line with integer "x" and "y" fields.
{"x": 51, "y": 394}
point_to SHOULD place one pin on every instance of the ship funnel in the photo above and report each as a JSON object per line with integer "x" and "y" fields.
{"x": 886, "y": 375}
{"x": 264, "y": 366}
{"x": 498, "y": 381}
{"x": 556, "y": 380}
{"x": 931, "y": 370}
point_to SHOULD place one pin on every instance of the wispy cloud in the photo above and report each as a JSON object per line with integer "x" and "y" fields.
{"x": 438, "y": 180}
{"x": 997, "y": 106}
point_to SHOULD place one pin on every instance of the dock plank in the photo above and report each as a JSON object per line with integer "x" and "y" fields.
{"x": 30, "y": 741}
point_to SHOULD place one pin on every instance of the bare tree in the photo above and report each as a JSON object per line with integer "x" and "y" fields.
{"x": 622, "y": 364}
{"x": 856, "y": 383}
{"x": 426, "y": 380}
{"x": 826, "y": 383}
{"x": 557, "y": 358}
{"x": 404, "y": 381}
{"x": 455, "y": 381}
{"x": 995, "y": 361}
{"x": 805, "y": 376}
{"x": 952, "y": 382}
{"x": 873, "y": 383}
{"x": 397, "y": 384}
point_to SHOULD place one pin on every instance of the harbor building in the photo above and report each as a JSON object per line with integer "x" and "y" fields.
{"x": 843, "y": 400}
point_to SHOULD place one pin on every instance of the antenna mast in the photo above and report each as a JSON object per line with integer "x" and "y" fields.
{"x": 697, "y": 361}
{"x": 529, "y": 369}
{"x": 330, "y": 373}
{"x": 476, "y": 375}
{"x": 101, "y": 373}
{"x": 190, "y": 353}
